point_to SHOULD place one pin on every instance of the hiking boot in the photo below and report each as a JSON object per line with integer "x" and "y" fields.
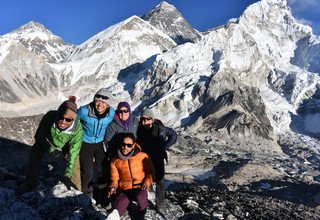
{"x": 114, "y": 215}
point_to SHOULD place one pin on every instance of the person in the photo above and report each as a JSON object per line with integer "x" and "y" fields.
{"x": 95, "y": 118}
{"x": 131, "y": 172}
{"x": 154, "y": 139}
{"x": 123, "y": 122}
{"x": 59, "y": 130}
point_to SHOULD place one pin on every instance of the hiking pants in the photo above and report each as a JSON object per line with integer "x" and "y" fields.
{"x": 160, "y": 193}
{"x": 90, "y": 155}
{"x": 125, "y": 197}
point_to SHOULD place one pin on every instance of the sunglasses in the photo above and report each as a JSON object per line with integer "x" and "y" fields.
{"x": 104, "y": 97}
{"x": 146, "y": 119}
{"x": 128, "y": 145}
{"x": 61, "y": 117}
{"x": 123, "y": 111}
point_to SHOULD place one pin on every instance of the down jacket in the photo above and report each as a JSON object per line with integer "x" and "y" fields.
{"x": 132, "y": 172}
{"x": 49, "y": 138}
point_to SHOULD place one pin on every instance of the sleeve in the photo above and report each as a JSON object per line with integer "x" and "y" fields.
{"x": 149, "y": 171}
{"x": 111, "y": 131}
{"x": 74, "y": 149}
{"x": 168, "y": 136}
{"x": 43, "y": 130}
{"x": 80, "y": 113}
{"x": 111, "y": 113}
{"x": 114, "y": 175}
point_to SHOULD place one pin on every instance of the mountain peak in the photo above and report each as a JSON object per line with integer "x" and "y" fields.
{"x": 31, "y": 31}
{"x": 169, "y": 20}
{"x": 166, "y": 6}
{"x": 32, "y": 27}
{"x": 38, "y": 39}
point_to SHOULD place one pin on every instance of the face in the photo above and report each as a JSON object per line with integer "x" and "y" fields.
{"x": 146, "y": 121}
{"x": 100, "y": 106}
{"x": 127, "y": 145}
{"x": 64, "y": 121}
{"x": 123, "y": 113}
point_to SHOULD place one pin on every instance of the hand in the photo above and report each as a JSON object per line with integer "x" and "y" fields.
{"x": 145, "y": 186}
{"x": 67, "y": 181}
{"x": 112, "y": 190}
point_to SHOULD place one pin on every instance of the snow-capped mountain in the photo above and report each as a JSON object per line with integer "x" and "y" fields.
{"x": 243, "y": 79}
{"x": 36, "y": 38}
{"x": 168, "y": 19}
{"x": 110, "y": 55}
{"x": 244, "y": 99}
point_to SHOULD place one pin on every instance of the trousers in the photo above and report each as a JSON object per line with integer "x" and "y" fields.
{"x": 92, "y": 157}
{"x": 125, "y": 197}
{"x": 160, "y": 193}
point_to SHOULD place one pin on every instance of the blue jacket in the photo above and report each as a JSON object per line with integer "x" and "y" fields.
{"x": 94, "y": 129}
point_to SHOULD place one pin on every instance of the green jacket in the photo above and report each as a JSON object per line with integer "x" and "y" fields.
{"x": 50, "y": 138}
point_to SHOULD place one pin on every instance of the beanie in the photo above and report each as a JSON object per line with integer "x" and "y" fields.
{"x": 147, "y": 113}
{"x": 69, "y": 107}
{"x": 103, "y": 95}
{"x": 124, "y": 104}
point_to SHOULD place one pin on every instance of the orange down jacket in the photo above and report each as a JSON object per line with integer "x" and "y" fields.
{"x": 131, "y": 173}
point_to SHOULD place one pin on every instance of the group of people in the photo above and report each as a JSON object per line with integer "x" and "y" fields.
{"x": 105, "y": 145}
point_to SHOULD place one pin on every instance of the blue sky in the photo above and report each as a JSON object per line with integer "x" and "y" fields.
{"x": 75, "y": 21}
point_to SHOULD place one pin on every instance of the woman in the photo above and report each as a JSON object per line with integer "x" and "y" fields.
{"x": 95, "y": 118}
{"x": 131, "y": 172}
{"x": 123, "y": 122}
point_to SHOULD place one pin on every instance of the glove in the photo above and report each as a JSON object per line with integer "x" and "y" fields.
{"x": 67, "y": 181}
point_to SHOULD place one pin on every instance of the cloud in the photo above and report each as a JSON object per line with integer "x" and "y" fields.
{"x": 304, "y": 5}
{"x": 315, "y": 25}
{"x": 306, "y": 12}
{"x": 305, "y": 21}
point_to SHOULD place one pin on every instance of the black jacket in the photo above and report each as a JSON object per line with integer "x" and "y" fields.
{"x": 155, "y": 141}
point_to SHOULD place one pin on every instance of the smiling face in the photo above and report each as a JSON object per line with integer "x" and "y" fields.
{"x": 100, "y": 106}
{"x": 146, "y": 122}
{"x": 123, "y": 113}
{"x": 64, "y": 121}
{"x": 127, "y": 145}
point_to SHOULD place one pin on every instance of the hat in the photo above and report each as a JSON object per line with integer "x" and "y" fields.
{"x": 69, "y": 107}
{"x": 147, "y": 113}
{"x": 124, "y": 104}
{"x": 103, "y": 95}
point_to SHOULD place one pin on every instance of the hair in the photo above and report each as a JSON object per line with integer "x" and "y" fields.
{"x": 128, "y": 135}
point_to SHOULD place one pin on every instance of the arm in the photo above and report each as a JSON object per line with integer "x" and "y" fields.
{"x": 74, "y": 149}
{"x": 111, "y": 131}
{"x": 149, "y": 173}
{"x": 114, "y": 175}
{"x": 168, "y": 136}
{"x": 43, "y": 130}
{"x": 114, "y": 179}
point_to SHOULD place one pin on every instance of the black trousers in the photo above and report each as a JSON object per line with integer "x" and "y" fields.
{"x": 92, "y": 159}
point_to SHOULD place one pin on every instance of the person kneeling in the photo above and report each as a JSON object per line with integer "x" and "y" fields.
{"x": 132, "y": 172}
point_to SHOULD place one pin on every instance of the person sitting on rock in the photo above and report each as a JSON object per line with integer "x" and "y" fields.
{"x": 124, "y": 122}
{"x": 58, "y": 131}
{"x": 131, "y": 174}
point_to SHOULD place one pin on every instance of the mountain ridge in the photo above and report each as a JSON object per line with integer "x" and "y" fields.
{"x": 142, "y": 64}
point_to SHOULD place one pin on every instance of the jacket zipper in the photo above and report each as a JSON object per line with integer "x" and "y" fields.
{"x": 130, "y": 172}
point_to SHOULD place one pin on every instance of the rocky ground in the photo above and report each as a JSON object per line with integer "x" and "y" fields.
{"x": 208, "y": 181}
